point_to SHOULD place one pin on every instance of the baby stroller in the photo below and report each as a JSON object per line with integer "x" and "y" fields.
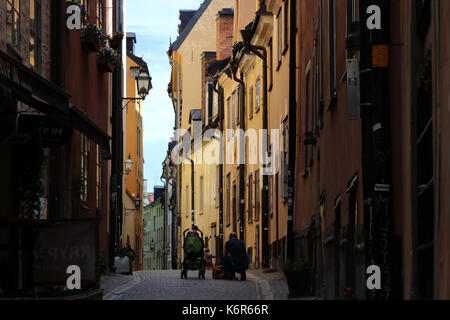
{"x": 193, "y": 254}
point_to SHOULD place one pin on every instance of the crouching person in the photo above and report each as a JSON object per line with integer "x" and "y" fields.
{"x": 235, "y": 249}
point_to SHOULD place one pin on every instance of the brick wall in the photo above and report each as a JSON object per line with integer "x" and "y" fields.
{"x": 224, "y": 31}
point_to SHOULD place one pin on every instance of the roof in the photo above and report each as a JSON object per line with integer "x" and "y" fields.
{"x": 192, "y": 22}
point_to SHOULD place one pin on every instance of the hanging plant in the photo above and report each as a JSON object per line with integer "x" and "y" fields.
{"x": 116, "y": 41}
{"x": 107, "y": 59}
{"x": 93, "y": 38}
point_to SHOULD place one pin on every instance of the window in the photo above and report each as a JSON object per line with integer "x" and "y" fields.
{"x": 13, "y": 22}
{"x": 257, "y": 95}
{"x": 332, "y": 46}
{"x": 228, "y": 200}
{"x": 35, "y": 35}
{"x": 100, "y": 15}
{"x": 138, "y": 141}
{"x": 280, "y": 36}
{"x": 286, "y": 24}
{"x": 84, "y": 11}
{"x": 250, "y": 198}
{"x": 229, "y": 112}
{"x": 257, "y": 196}
{"x": 250, "y": 102}
{"x": 235, "y": 109}
{"x": 308, "y": 117}
{"x": 186, "y": 201}
{"x": 202, "y": 194}
{"x": 270, "y": 64}
{"x": 84, "y": 168}
{"x": 271, "y": 194}
{"x": 209, "y": 101}
{"x": 235, "y": 205}
{"x": 285, "y": 163}
{"x": 99, "y": 178}
{"x": 215, "y": 107}
{"x": 217, "y": 186}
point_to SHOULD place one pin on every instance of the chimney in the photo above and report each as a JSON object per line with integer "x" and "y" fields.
{"x": 131, "y": 40}
{"x": 225, "y": 19}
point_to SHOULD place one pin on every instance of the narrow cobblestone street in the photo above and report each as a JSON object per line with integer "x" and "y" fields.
{"x": 167, "y": 285}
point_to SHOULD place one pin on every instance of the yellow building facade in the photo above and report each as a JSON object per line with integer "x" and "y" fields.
{"x": 198, "y": 37}
{"x": 132, "y": 222}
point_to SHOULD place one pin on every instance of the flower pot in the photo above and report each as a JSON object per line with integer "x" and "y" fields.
{"x": 91, "y": 43}
{"x": 115, "y": 44}
{"x": 105, "y": 65}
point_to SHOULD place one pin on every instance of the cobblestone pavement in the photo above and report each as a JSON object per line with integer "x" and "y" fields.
{"x": 113, "y": 285}
{"x": 168, "y": 285}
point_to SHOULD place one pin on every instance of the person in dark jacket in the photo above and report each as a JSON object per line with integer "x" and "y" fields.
{"x": 235, "y": 248}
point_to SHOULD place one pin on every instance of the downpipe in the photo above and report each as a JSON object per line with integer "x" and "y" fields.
{"x": 265, "y": 194}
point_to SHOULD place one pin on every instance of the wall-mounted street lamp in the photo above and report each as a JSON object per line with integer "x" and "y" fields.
{"x": 128, "y": 165}
{"x": 144, "y": 84}
{"x": 137, "y": 202}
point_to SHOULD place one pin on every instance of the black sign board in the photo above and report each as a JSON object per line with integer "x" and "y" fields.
{"x": 62, "y": 244}
{"x": 50, "y": 133}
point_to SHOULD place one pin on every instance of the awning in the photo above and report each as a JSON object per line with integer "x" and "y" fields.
{"x": 46, "y": 97}
{"x": 29, "y": 87}
{"x": 86, "y": 126}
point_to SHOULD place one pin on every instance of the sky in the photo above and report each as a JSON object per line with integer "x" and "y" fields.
{"x": 155, "y": 23}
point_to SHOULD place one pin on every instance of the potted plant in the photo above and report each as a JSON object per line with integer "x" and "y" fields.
{"x": 125, "y": 252}
{"x": 116, "y": 41}
{"x": 93, "y": 38}
{"x": 107, "y": 59}
{"x": 298, "y": 275}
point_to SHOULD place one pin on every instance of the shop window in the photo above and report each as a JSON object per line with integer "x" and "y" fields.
{"x": 13, "y": 23}
{"x": 84, "y": 168}
{"x": 99, "y": 178}
{"x": 100, "y": 15}
{"x": 35, "y": 35}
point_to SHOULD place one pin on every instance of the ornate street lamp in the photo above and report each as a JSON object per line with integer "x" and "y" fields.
{"x": 143, "y": 82}
{"x": 128, "y": 165}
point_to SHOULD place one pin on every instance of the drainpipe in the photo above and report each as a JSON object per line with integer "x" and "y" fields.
{"x": 165, "y": 207}
{"x": 242, "y": 151}
{"x": 177, "y": 138}
{"x": 292, "y": 130}
{"x": 438, "y": 146}
{"x": 221, "y": 113}
{"x": 265, "y": 194}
